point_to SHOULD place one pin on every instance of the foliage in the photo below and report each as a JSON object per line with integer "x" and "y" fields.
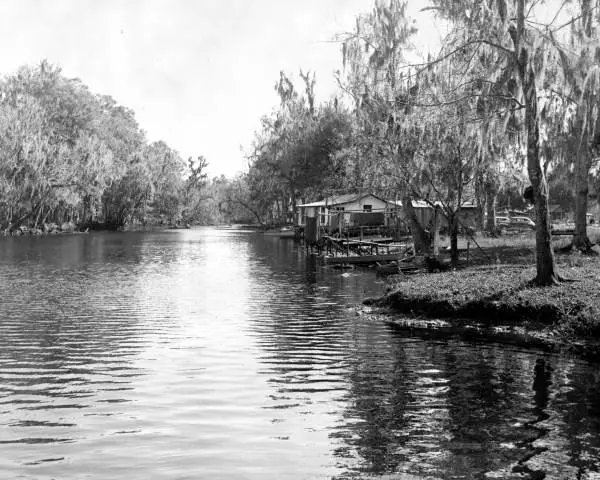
{"x": 503, "y": 85}
{"x": 295, "y": 154}
{"x": 67, "y": 155}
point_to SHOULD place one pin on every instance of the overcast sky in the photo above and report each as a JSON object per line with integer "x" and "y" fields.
{"x": 198, "y": 73}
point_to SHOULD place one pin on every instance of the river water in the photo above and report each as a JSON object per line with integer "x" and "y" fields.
{"x": 215, "y": 354}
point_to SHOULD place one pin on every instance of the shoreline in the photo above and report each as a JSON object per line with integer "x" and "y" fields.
{"x": 527, "y": 336}
{"x": 499, "y": 304}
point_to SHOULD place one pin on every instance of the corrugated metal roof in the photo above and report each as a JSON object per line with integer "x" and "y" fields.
{"x": 352, "y": 197}
{"x": 424, "y": 204}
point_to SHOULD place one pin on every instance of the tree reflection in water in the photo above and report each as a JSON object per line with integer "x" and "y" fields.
{"x": 210, "y": 355}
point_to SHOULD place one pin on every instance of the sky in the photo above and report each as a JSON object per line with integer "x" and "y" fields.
{"x": 199, "y": 74}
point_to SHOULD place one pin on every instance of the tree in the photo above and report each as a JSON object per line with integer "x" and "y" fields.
{"x": 64, "y": 110}
{"x": 295, "y": 153}
{"x": 69, "y": 155}
{"x": 386, "y": 140}
{"x": 508, "y": 31}
{"x": 426, "y": 145}
{"x": 166, "y": 172}
{"x": 241, "y": 204}
{"x": 194, "y": 186}
{"x": 448, "y": 161}
{"x": 583, "y": 75}
{"x": 23, "y": 168}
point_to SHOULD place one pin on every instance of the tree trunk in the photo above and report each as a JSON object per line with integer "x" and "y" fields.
{"x": 545, "y": 263}
{"x": 17, "y": 222}
{"x": 9, "y": 219}
{"x": 420, "y": 237}
{"x": 294, "y": 203}
{"x": 37, "y": 218}
{"x": 87, "y": 210}
{"x": 453, "y": 223}
{"x": 434, "y": 235}
{"x": 581, "y": 240}
{"x": 481, "y": 200}
{"x": 46, "y": 216}
{"x": 491, "y": 193}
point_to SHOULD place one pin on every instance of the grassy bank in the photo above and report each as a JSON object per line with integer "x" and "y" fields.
{"x": 493, "y": 293}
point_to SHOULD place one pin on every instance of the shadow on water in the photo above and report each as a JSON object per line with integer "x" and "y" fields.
{"x": 450, "y": 410}
{"x": 430, "y": 408}
{"x": 208, "y": 354}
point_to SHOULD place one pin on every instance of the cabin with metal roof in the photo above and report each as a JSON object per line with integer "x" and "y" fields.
{"x": 349, "y": 211}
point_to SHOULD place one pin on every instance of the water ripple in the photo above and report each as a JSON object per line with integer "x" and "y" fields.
{"x": 213, "y": 354}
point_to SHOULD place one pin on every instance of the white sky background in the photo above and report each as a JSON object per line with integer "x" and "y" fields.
{"x": 199, "y": 74}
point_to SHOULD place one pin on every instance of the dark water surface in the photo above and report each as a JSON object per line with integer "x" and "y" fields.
{"x": 208, "y": 354}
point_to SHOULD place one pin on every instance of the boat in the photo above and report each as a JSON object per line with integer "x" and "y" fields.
{"x": 342, "y": 266}
{"x": 387, "y": 268}
{"x": 187, "y": 226}
{"x": 362, "y": 259}
{"x": 283, "y": 233}
{"x": 287, "y": 232}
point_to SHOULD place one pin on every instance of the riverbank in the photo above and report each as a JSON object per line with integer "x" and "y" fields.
{"x": 72, "y": 228}
{"x": 45, "y": 229}
{"x": 497, "y": 301}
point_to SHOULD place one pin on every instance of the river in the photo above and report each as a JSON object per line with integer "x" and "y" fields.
{"x": 218, "y": 354}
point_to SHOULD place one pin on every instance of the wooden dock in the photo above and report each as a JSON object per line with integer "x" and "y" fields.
{"x": 347, "y": 246}
{"x": 352, "y": 251}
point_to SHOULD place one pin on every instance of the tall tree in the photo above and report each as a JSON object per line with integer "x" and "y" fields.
{"x": 295, "y": 153}
{"x": 386, "y": 142}
{"x": 583, "y": 76}
{"x": 194, "y": 187}
{"x": 509, "y": 31}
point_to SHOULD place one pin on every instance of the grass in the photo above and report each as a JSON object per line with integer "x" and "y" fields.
{"x": 495, "y": 287}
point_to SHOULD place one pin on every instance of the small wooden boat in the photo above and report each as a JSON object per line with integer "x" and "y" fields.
{"x": 342, "y": 266}
{"x": 287, "y": 233}
{"x": 403, "y": 265}
{"x": 387, "y": 269}
{"x": 362, "y": 259}
{"x": 283, "y": 233}
{"x": 395, "y": 268}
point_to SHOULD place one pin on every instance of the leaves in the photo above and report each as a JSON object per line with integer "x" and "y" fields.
{"x": 66, "y": 154}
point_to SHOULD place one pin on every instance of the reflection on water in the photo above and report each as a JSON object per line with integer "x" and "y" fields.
{"x": 218, "y": 354}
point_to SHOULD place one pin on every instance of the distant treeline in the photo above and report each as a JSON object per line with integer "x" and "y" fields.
{"x": 69, "y": 155}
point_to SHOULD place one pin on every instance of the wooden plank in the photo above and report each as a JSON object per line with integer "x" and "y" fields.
{"x": 364, "y": 259}
{"x": 562, "y": 232}
{"x": 354, "y": 243}
{"x": 368, "y": 244}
